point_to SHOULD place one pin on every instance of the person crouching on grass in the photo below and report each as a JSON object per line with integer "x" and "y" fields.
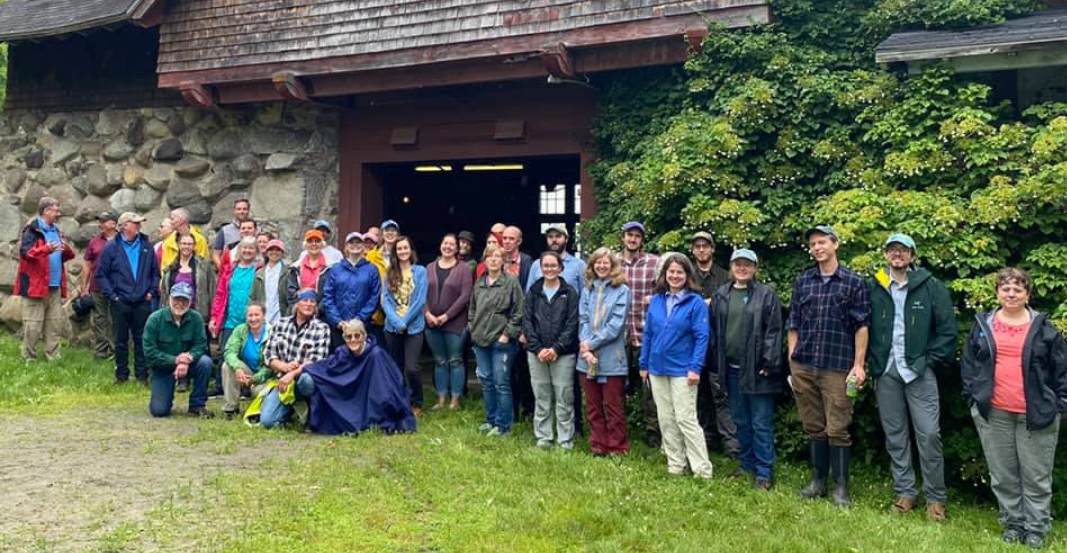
{"x": 675, "y": 342}
{"x": 175, "y": 345}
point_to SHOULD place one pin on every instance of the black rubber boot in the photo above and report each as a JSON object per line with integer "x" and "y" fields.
{"x": 839, "y": 459}
{"x": 820, "y": 468}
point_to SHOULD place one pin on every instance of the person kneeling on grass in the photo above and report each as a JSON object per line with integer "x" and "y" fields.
{"x": 245, "y": 361}
{"x": 296, "y": 342}
{"x": 358, "y": 387}
{"x": 175, "y": 346}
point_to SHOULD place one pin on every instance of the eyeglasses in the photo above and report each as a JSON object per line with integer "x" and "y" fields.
{"x": 354, "y": 336}
{"x": 899, "y": 250}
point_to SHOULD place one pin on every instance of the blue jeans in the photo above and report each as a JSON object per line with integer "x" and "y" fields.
{"x": 162, "y": 384}
{"x": 273, "y": 412}
{"x": 494, "y": 368}
{"x": 448, "y": 370}
{"x": 754, "y": 416}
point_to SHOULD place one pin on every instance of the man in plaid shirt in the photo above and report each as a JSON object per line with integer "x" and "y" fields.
{"x": 828, "y": 326}
{"x": 640, "y": 269}
{"x": 295, "y": 342}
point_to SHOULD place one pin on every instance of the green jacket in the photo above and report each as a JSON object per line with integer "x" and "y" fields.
{"x": 164, "y": 340}
{"x": 234, "y": 346}
{"x": 495, "y": 309}
{"x": 929, "y": 323}
{"x": 259, "y": 288}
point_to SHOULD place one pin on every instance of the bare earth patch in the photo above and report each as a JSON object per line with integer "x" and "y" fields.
{"x": 69, "y": 481}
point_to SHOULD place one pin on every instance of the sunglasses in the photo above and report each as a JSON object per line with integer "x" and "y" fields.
{"x": 354, "y": 336}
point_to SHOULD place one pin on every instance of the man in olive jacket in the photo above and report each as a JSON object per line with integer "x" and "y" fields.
{"x": 913, "y": 330}
{"x": 175, "y": 346}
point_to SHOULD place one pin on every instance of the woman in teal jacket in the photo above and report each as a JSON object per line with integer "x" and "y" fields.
{"x": 403, "y": 299}
{"x": 602, "y": 352}
{"x": 675, "y": 343}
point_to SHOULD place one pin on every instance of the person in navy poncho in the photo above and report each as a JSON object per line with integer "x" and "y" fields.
{"x": 358, "y": 387}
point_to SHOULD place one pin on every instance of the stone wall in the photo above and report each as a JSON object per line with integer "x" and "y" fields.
{"x": 284, "y": 157}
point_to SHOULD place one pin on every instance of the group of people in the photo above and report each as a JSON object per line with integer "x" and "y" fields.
{"x": 701, "y": 345}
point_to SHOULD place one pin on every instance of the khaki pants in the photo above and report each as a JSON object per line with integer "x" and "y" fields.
{"x": 42, "y": 316}
{"x": 683, "y": 438}
{"x": 824, "y": 408}
{"x": 103, "y": 333}
{"x": 231, "y": 390}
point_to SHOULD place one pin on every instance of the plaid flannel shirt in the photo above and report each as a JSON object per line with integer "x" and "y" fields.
{"x": 289, "y": 342}
{"x": 641, "y": 275}
{"x": 826, "y": 317}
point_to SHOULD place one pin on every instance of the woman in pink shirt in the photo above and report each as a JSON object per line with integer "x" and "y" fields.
{"x": 1015, "y": 379}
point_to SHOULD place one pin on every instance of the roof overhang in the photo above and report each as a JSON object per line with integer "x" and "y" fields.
{"x": 1039, "y": 40}
{"x": 562, "y": 55}
{"x": 29, "y": 20}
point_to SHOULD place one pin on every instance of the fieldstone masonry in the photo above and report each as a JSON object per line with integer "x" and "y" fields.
{"x": 284, "y": 157}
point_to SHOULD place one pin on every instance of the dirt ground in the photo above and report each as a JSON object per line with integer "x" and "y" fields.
{"x": 69, "y": 481}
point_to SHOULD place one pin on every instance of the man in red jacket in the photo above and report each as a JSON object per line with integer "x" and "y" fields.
{"x": 41, "y": 280}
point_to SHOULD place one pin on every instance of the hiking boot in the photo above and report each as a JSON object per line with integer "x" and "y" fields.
{"x": 764, "y": 484}
{"x": 1034, "y": 540}
{"x": 229, "y": 415}
{"x": 904, "y": 504}
{"x": 820, "y": 468}
{"x": 839, "y": 458}
{"x": 653, "y": 440}
{"x": 1012, "y": 535}
{"x": 201, "y": 412}
{"x": 935, "y": 511}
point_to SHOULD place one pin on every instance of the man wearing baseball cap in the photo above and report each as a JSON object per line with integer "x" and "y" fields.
{"x": 556, "y": 239}
{"x": 107, "y": 222}
{"x": 713, "y": 408}
{"x": 913, "y": 331}
{"x": 268, "y": 285}
{"x": 175, "y": 347}
{"x": 828, "y": 330}
{"x": 128, "y": 275}
{"x": 640, "y": 268}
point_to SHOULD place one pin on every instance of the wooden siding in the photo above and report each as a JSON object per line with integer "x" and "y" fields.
{"x": 95, "y": 71}
{"x": 26, "y": 19}
{"x": 202, "y": 35}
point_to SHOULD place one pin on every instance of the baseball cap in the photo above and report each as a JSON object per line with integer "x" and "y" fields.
{"x": 276, "y": 244}
{"x": 107, "y": 216}
{"x": 323, "y": 224}
{"x": 314, "y": 233}
{"x": 128, "y": 217}
{"x": 181, "y": 290}
{"x": 371, "y": 235}
{"x": 353, "y": 236}
{"x": 822, "y": 229}
{"x": 634, "y": 225}
{"x": 701, "y": 235}
{"x": 902, "y": 239}
{"x": 744, "y": 254}
{"x": 466, "y": 235}
{"x": 389, "y": 223}
{"x": 557, "y": 227}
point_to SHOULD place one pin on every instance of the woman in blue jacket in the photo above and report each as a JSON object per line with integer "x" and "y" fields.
{"x": 602, "y": 352}
{"x": 403, "y": 301}
{"x": 675, "y": 342}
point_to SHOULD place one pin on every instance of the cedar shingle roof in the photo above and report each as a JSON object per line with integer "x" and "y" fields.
{"x": 1042, "y": 30}
{"x": 218, "y": 34}
{"x": 29, "y": 19}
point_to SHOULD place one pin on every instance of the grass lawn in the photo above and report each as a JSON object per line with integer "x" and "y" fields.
{"x": 86, "y": 469}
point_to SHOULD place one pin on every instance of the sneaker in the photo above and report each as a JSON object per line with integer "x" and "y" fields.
{"x": 567, "y": 446}
{"x": 1034, "y": 540}
{"x": 544, "y": 444}
{"x": 485, "y": 427}
{"x": 935, "y": 511}
{"x": 229, "y": 415}
{"x": 183, "y": 386}
{"x": 143, "y": 381}
{"x": 202, "y": 412}
{"x": 496, "y": 431}
{"x": 417, "y": 411}
{"x": 1012, "y": 535}
{"x": 903, "y": 504}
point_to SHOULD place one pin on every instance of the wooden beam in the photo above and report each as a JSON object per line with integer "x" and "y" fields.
{"x": 557, "y": 61}
{"x": 198, "y": 95}
{"x": 695, "y": 38}
{"x": 289, "y": 86}
{"x": 997, "y": 62}
{"x": 147, "y": 13}
{"x": 961, "y": 51}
